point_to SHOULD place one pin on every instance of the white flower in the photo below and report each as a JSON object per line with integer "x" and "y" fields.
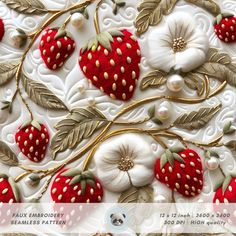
{"x": 178, "y": 44}
{"x": 125, "y": 161}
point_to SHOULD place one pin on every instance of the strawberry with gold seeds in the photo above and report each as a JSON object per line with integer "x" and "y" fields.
{"x": 74, "y": 186}
{"x": 181, "y": 171}
{"x": 56, "y": 45}
{"x": 32, "y": 139}
{"x": 225, "y": 27}
{"x": 111, "y": 62}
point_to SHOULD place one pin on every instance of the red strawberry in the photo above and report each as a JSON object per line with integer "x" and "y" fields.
{"x": 32, "y": 139}
{"x": 227, "y": 192}
{"x": 181, "y": 172}
{"x": 2, "y": 30}
{"x": 225, "y": 27}
{"x": 56, "y": 46}
{"x": 74, "y": 186}
{"x": 9, "y": 192}
{"x": 111, "y": 62}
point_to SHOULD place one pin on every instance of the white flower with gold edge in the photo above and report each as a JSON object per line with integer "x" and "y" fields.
{"x": 179, "y": 44}
{"x": 125, "y": 161}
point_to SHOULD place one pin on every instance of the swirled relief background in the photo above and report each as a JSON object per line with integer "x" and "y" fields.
{"x": 65, "y": 83}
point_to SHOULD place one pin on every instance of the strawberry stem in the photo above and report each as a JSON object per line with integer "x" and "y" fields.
{"x": 96, "y": 17}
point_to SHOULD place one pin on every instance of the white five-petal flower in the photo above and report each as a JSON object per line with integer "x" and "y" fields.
{"x": 125, "y": 161}
{"x": 179, "y": 44}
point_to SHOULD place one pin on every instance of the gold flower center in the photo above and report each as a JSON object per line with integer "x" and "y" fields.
{"x": 179, "y": 44}
{"x": 125, "y": 163}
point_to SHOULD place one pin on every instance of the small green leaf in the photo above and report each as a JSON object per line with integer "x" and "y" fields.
{"x": 228, "y": 129}
{"x": 4, "y": 176}
{"x": 88, "y": 175}
{"x": 218, "y": 185}
{"x": 170, "y": 157}
{"x": 156, "y": 121}
{"x": 226, "y": 183}
{"x": 91, "y": 182}
{"x": 71, "y": 172}
{"x": 163, "y": 160}
{"x": 151, "y": 111}
{"x": 25, "y": 124}
{"x": 83, "y": 186}
{"x": 36, "y": 125}
{"x": 60, "y": 33}
{"x": 75, "y": 180}
{"x": 177, "y": 149}
{"x": 178, "y": 158}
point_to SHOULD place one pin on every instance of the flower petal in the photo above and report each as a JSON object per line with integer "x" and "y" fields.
{"x": 189, "y": 59}
{"x": 140, "y": 175}
{"x": 180, "y": 25}
{"x": 199, "y": 40}
{"x": 160, "y": 53}
{"x": 115, "y": 181}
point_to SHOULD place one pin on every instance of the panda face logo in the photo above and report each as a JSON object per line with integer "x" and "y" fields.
{"x": 117, "y": 219}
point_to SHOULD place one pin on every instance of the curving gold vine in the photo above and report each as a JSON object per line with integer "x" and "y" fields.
{"x": 158, "y": 134}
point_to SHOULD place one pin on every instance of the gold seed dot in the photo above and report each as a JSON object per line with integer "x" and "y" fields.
{"x": 97, "y": 63}
{"x": 131, "y": 88}
{"x": 124, "y": 96}
{"x": 119, "y": 39}
{"x": 133, "y": 75}
{"x": 101, "y": 88}
{"x": 119, "y": 52}
{"x": 115, "y": 77}
{"x": 106, "y": 52}
{"x": 114, "y": 86}
{"x": 112, "y": 96}
{"x": 138, "y": 52}
{"x": 112, "y": 62}
{"x": 84, "y": 69}
{"x": 106, "y": 76}
{"x": 90, "y": 56}
{"x": 95, "y": 78}
{"x": 123, "y": 82}
{"x": 128, "y": 45}
{"x": 122, "y": 69}
{"x": 99, "y": 48}
{"x": 129, "y": 60}
{"x": 94, "y": 48}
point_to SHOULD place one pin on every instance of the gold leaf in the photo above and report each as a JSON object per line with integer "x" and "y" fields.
{"x": 214, "y": 55}
{"x": 8, "y": 71}
{"x": 41, "y": 95}
{"x": 26, "y": 6}
{"x": 196, "y": 82}
{"x": 7, "y": 156}
{"x": 226, "y": 183}
{"x": 197, "y": 119}
{"x": 209, "y": 5}
{"x": 137, "y": 195}
{"x": 151, "y": 13}
{"x": 153, "y": 79}
{"x": 80, "y": 124}
{"x": 218, "y": 71}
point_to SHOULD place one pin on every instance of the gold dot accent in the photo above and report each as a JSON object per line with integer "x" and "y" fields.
{"x": 128, "y": 45}
{"x": 94, "y": 48}
{"x": 131, "y": 88}
{"x": 106, "y": 76}
{"x": 95, "y": 78}
{"x": 119, "y": 52}
{"x": 129, "y": 60}
{"x": 179, "y": 44}
{"x": 124, "y": 96}
{"x": 101, "y": 88}
{"x": 112, "y": 62}
{"x": 122, "y": 69}
{"x": 112, "y": 96}
{"x": 114, "y": 86}
{"x": 97, "y": 63}
{"x": 106, "y": 52}
{"x": 84, "y": 69}
{"x": 99, "y": 48}
{"x": 123, "y": 82}
{"x": 115, "y": 77}
{"x": 125, "y": 163}
{"x": 90, "y": 56}
{"x": 133, "y": 75}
